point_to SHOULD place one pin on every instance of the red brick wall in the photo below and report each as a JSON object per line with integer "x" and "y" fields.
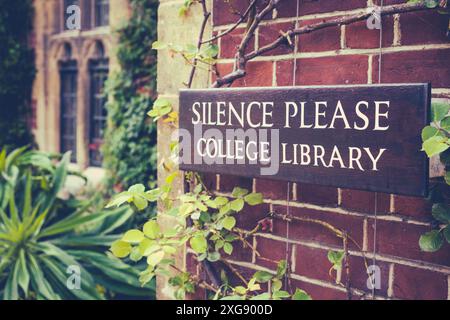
{"x": 415, "y": 50}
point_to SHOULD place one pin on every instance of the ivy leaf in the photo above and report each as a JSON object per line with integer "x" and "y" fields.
{"x": 198, "y": 243}
{"x": 229, "y": 223}
{"x": 263, "y": 276}
{"x": 254, "y": 199}
{"x": 151, "y": 229}
{"x": 435, "y": 145}
{"x": 120, "y": 249}
{"x": 336, "y": 257}
{"x": 431, "y": 241}
{"x": 135, "y": 254}
{"x": 137, "y": 188}
{"x": 239, "y": 192}
{"x": 237, "y": 205}
{"x": 133, "y": 236}
{"x": 441, "y": 212}
{"x": 439, "y": 111}
{"x": 300, "y": 295}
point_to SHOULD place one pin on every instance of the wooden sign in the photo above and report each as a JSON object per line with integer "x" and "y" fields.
{"x": 358, "y": 137}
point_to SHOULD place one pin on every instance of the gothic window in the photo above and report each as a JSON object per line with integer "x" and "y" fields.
{"x": 68, "y": 130}
{"x": 101, "y": 13}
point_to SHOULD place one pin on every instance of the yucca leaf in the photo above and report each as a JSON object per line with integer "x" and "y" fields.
{"x": 23, "y": 277}
{"x": 39, "y": 282}
{"x": 11, "y": 291}
{"x": 27, "y": 197}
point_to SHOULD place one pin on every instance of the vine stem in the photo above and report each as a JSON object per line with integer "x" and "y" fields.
{"x": 242, "y": 58}
{"x": 206, "y": 15}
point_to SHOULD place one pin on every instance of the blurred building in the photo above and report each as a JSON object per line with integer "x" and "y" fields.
{"x": 74, "y": 54}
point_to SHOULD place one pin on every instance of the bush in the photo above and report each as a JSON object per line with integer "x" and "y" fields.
{"x": 47, "y": 241}
{"x": 16, "y": 72}
{"x": 130, "y": 140}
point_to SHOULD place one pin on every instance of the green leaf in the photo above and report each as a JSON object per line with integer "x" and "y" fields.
{"x": 435, "y": 145}
{"x": 280, "y": 295}
{"x": 198, "y": 243}
{"x": 137, "y": 188}
{"x": 336, "y": 257}
{"x": 133, "y": 236}
{"x": 155, "y": 258}
{"x": 262, "y": 296}
{"x": 158, "y": 45}
{"x": 229, "y": 223}
{"x": 439, "y": 111}
{"x": 239, "y": 192}
{"x": 213, "y": 256}
{"x": 446, "y": 233}
{"x": 445, "y": 123}
{"x": 254, "y": 199}
{"x": 220, "y": 201}
{"x": 120, "y": 249}
{"x": 237, "y": 205}
{"x": 431, "y": 241}
{"x": 429, "y": 132}
{"x": 281, "y": 268}
{"x": 300, "y": 295}
{"x": 441, "y": 212}
{"x": 447, "y": 177}
{"x": 228, "y": 248}
{"x": 151, "y": 229}
{"x": 240, "y": 290}
{"x": 263, "y": 276}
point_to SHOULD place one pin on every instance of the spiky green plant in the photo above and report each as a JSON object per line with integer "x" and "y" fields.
{"x": 45, "y": 239}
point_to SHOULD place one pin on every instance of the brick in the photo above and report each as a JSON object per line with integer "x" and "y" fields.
{"x": 351, "y": 69}
{"x": 259, "y": 74}
{"x": 412, "y": 206}
{"x": 315, "y": 194}
{"x": 400, "y": 239}
{"x": 272, "y": 189}
{"x": 359, "y": 276}
{"x": 249, "y": 216}
{"x": 313, "y": 232}
{"x": 273, "y": 250}
{"x": 229, "y": 182}
{"x": 289, "y": 8}
{"x": 415, "y": 66}
{"x": 416, "y": 284}
{"x": 241, "y": 251}
{"x": 313, "y": 263}
{"x": 359, "y": 36}
{"x": 364, "y": 201}
{"x": 230, "y": 42}
{"x": 318, "y": 292}
{"x": 423, "y": 28}
{"x": 268, "y": 33}
{"x": 227, "y": 12}
{"x": 321, "y": 40}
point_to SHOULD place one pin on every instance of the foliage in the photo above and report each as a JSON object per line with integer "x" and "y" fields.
{"x": 43, "y": 237}
{"x": 16, "y": 72}
{"x": 436, "y": 142}
{"x": 130, "y": 139}
{"x": 205, "y": 221}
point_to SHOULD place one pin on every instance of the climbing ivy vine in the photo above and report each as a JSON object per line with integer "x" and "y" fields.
{"x": 16, "y": 73}
{"x": 130, "y": 139}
